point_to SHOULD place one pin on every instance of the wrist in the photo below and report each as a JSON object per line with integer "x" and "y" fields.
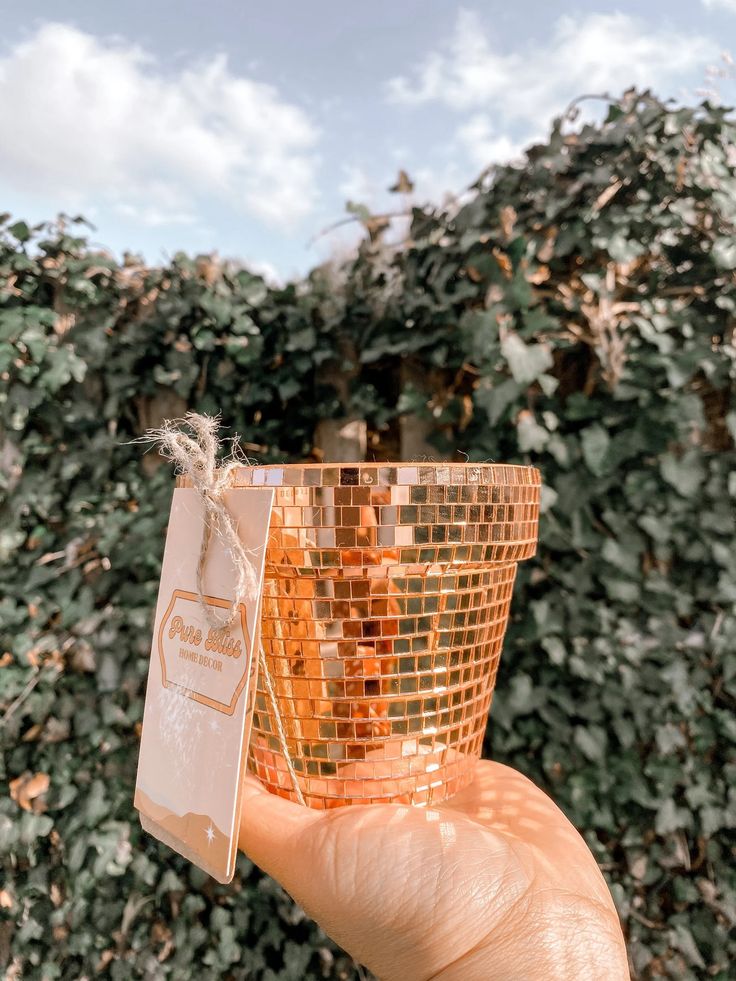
{"x": 569, "y": 942}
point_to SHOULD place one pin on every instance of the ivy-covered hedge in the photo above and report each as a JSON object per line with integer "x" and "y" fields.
{"x": 576, "y": 313}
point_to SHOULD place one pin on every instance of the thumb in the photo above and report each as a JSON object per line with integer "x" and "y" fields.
{"x": 270, "y": 830}
{"x": 326, "y": 860}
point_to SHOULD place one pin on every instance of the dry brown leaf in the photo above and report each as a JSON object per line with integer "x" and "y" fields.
{"x": 64, "y": 323}
{"x": 83, "y": 656}
{"x": 507, "y": 217}
{"x": 403, "y": 185}
{"x": 160, "y": 933}
{"x": 638, "y": 866}
{"x": 503, "y": 261}
{"x": 494, "y": 295}
{"x": 605, "y": 196}
{"x": 26, "y": 790}
{"x": 540, "y": 275}
{"x": 547, "y": 250}
{"x": 681, "y": 171}
{"x": 105, "y": 957}
{"x": 97, "y": 271}
{"x": 50, "y": 557}
{"x": 55, "y": 730}
{"x": 13, "y": 971}
{"x": 10, "y": 288}
{"x": 33, "y": 733}
{"x": 208, "y": 269}
{"x": 466, "y": 415}
{"x": 165, "y": 951}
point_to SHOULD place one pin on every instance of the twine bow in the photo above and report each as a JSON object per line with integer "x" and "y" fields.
{"x": 196, "y": 457}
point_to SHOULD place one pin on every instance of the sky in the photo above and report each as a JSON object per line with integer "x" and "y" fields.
{"x": 244, "y": 128}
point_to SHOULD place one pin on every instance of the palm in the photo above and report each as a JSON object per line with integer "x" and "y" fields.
{"x": 495, "y": 883}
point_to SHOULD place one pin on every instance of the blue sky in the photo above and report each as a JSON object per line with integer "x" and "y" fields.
{"x": 244, "y": 128}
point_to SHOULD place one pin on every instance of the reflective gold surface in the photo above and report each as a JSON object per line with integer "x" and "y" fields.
{"x": 385, "y": 605}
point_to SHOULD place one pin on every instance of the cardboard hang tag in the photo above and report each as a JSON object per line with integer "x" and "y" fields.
{"x": 201, "y": 686}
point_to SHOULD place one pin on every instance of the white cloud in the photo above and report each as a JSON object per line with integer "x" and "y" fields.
{"x": 356, "y": 184}
{"x": 524, "y": 88}
{"x": 265, "y": 269}
{"x": 729, "y": 5}
{"x": 95, "y": 122}
{"x": 483, "y": 144}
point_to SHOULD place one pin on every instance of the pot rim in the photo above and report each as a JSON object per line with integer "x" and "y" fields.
{"x": 384, "y": 473}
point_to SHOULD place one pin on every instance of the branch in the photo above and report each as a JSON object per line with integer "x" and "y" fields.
{"x": 601, "y": 97}
{"x": 387, "y": 216}
{"x": 17, "y": 702}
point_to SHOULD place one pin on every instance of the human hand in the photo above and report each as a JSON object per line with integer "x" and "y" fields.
{"x": 494, "y": 883}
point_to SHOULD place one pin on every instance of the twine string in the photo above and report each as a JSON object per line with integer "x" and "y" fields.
{"x": 196, "y": 457}
{"x": 280, "y": 726}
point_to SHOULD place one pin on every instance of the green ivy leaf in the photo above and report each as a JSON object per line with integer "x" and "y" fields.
{"x": 595, "y": 442}
{"x": 526, "y": 361}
